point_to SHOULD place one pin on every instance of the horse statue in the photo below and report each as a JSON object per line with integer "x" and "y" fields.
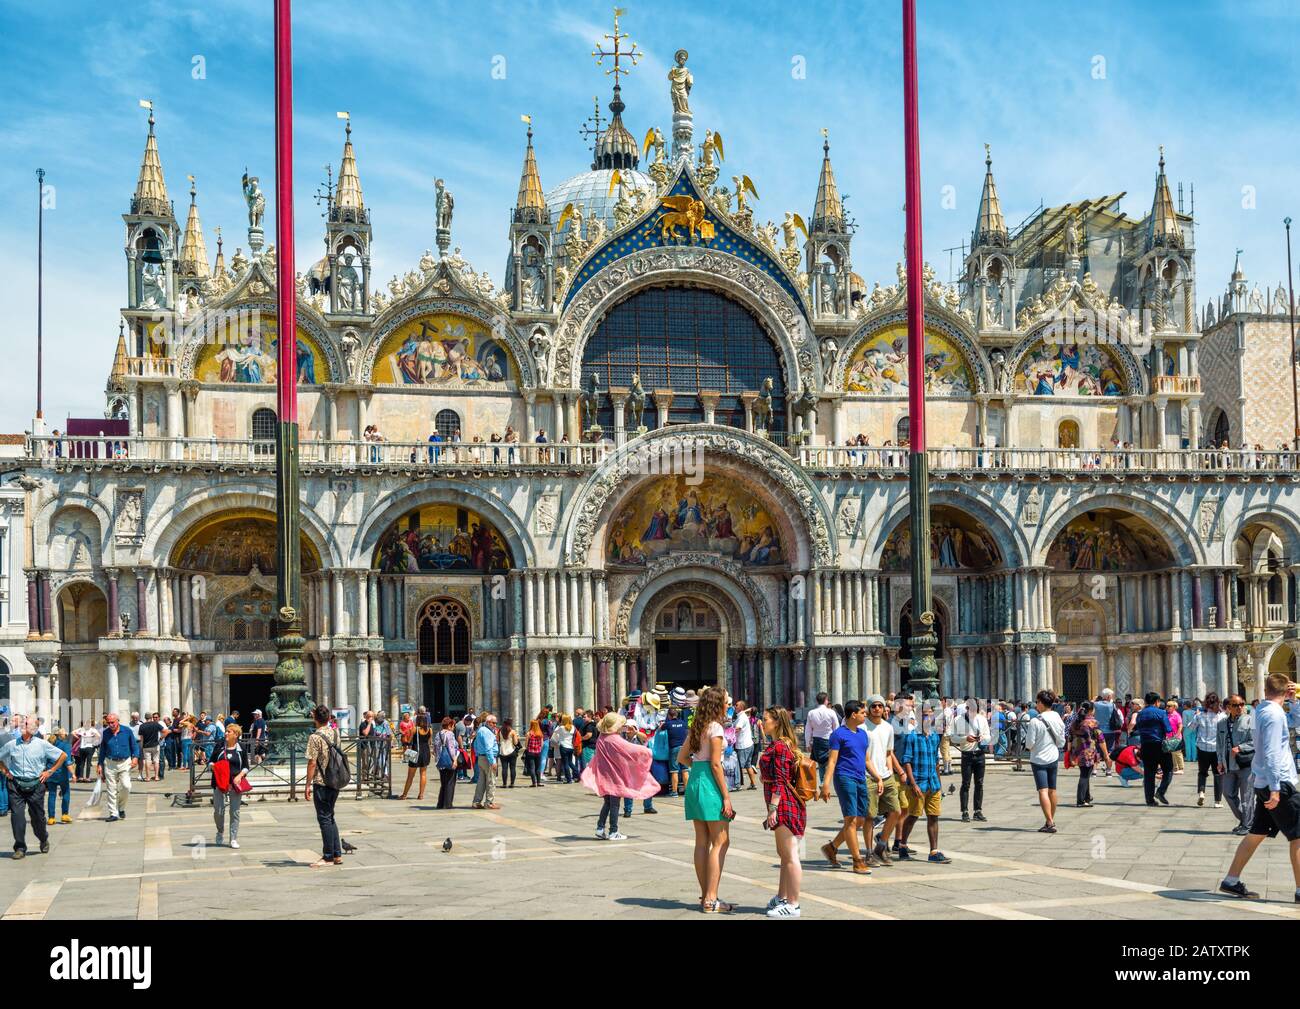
{"x": 636, "y": 403}
{"x": 589, "y": 401}
{"x": 763, "y": 407}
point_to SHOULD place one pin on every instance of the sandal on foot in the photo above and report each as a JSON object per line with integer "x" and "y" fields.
{"x": 717, "y": 907}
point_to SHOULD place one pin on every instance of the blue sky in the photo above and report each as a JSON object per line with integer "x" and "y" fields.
{"x": 1216, "y": 83}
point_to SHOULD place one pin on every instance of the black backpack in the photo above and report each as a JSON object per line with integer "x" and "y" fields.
{"x": 336, "y": 772}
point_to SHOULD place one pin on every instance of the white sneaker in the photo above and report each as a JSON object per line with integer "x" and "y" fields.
{"x": 774, "y": 901}
{"x": 1200, "y": 799}
{"x": 1218, "y": 805}
{"x": 784, "y": 910}
{"x": 616, "y": 836}
{"x": 234, "y": 843}
{"x": 601, "y": 835}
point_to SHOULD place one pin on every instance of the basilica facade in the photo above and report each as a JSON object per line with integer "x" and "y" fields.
{"x": 668, "y": 447}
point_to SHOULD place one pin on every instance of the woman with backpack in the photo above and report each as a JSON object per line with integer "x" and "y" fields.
{"x": 787, "y": 810}
{"x": 327, "y": 774}
{"x": 446, "y": 750}
{"x": 418, "y": 753}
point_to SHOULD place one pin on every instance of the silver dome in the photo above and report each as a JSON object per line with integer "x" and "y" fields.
{"x": 591, "y": 191}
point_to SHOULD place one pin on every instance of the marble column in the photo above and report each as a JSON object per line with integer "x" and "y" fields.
{"x": 569, "y": 692}
{"x": 603, "y": 688}
{"x": 855, "y": 688}
{"x": 551, "y": 695}
{"x": 377, "y": 699}
{"x": 620, "y": 678}
{"x": 517, "y": 710}
{"x": 114, "y": 687}
{"x": 340, "y": 677}
{"x": 414, "y": 691}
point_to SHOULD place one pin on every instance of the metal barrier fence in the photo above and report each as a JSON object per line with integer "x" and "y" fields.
{"x": 276, "y": 773}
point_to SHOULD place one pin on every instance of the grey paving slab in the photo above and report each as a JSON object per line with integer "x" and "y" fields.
{"x": 1118, "y": 860}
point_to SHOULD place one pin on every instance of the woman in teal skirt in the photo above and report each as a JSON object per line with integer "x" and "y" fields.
{"x": 707, "y": 800}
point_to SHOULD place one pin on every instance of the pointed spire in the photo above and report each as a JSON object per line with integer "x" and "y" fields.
{"x": 828, "y": 211}
{"x": 990, "y": 225}
{"x": 194, "y": 251}
{"x": 1163, "y": 228}
{"x": 1238, "y": 274}
{"x": 120, "y": 356}
{"x": 348, "y": 194}
{"x": 150, "y": 189}
{"x": 530, "y": 205}
{"x": 219, "y": 267}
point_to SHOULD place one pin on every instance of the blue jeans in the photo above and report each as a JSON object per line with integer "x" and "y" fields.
{"x": 187, "y": 751}
{"x": 4, "y": 796}
{"x": 64, "y": 789}
{"x": 646, "y": 806}
{"x": 565, "y": 767}
{"x": 546, "y": 752}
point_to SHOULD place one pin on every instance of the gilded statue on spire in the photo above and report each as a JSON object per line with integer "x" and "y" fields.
{"x": 680, "y": 82}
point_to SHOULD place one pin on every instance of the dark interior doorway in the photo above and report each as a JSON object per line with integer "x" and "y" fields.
{"x": 690, "y": 663}
{"x": 249, "y": 691}
{"x": 445, "y": 694}
{"x": 1074, "y": 681}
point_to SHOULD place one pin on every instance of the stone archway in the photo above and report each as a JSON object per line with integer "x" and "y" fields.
{"x": 685, "y": 632}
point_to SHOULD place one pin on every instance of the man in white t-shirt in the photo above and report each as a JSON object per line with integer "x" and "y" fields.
{"x": 744, "y": 726}
{"x": 886, "y": 795}
{"x": 1045, "y": 741}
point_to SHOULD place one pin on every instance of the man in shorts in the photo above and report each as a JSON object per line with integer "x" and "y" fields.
{"x": 848, "y": 765}
{"x": 886, "y": 797}
{"x": 920, "y": 759}
{"x": 1277, "y": 803}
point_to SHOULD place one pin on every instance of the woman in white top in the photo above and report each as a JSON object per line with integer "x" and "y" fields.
{"x": 88, "y": 737}
{"x": 1206, "y": 723}
{"x": 562, "y": 737}
{"x": 707, "y": 800}
{"x": 1044, "y": 738}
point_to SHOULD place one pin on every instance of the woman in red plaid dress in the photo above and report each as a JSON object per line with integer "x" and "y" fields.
{"x": 787, "y": 816}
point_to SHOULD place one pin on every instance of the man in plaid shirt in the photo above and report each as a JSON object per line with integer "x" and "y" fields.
{"x": 919, "y": 755}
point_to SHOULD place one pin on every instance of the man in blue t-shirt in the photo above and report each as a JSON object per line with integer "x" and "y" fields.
{"x": 849, "y": 764}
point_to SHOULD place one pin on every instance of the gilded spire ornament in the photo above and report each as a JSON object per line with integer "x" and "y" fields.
{"x": 150, "y": 189}
{"x": 828, "y": 211}
{"x": 347, "y": 196}
{"x": 990, "y": 226}
{"x": 530, "y": 204}
{"x": 194, "y": 251}
{"x": 1163, "y": 228}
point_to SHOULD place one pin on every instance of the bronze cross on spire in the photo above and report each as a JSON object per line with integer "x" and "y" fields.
{"x": 630, "y": 54}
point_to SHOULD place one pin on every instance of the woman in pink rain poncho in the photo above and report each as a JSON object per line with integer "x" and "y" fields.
{"x": 620, "y": 770}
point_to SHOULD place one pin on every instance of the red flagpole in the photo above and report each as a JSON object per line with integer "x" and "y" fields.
{"x": 286, "y": 288}
{"x": 915, "y": 291}
{"x": 922, "y": 670}
{"x": 289, "y": 705}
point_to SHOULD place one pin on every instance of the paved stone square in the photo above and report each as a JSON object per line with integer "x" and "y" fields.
{"x": 537, "y": 858}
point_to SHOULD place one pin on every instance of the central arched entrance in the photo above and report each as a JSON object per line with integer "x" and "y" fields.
{"x": 689, "y": 642}
{"x": 443, "y": 632}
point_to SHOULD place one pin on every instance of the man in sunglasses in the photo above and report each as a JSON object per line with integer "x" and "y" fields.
{"x": 1235, "y": 746}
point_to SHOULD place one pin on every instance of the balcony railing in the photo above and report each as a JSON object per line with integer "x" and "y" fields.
{"x": 151, "y": 367}
{"x": 63, "y": 450}
{"x": 1178, "y": 384}
{"x": 1276, "y": 618}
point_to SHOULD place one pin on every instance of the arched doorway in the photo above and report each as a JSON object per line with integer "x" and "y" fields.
{"x": 221, "y": 588}
{"x": 1114, "y": 574}
{"x": 689, "y": 643}
{"x": 443, "y": 633}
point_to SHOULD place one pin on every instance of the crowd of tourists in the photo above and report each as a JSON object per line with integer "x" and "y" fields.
{"x": 883, "y": 758}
